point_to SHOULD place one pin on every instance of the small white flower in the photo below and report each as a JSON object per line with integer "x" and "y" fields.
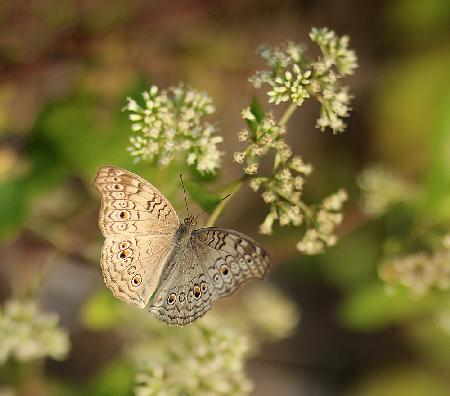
{"x": 243, "y": 135}
{"x": 136, "y": 127}
{"x": 267, "y": 225}
{"x": 251, "y": 169}
{"x": 247, "y": 114}
{"x": 298, "y": 182}
{"x": 239, "y": 157}
{"x": 255, "y": 183}
{"x": 132, "y": 105}
{"x": 268, "y": 197}
{"x": 191, "y": 158}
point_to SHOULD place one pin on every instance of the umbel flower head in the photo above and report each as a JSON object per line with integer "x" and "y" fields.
{"x": 323, "y": 222}
{"x": 26, "y": 333}
{"x": 202, "y": 362}
{"x": 170, "y": 122}
{"x": 382, "y": 188}
{"x": 420, "y": 271}
{"x": 282, "y": 189}
{"x": 207, "y": 357}
{"x": 293, "y": 77}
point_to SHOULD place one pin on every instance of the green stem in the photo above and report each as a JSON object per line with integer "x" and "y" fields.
{"x": 287, "y": 114}
{"x": 232, "y": 190}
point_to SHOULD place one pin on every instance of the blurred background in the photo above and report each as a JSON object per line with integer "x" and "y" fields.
{"x": 340, "y": 326}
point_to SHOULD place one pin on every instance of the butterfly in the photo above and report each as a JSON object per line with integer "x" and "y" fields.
{"x": 149, "y": 253}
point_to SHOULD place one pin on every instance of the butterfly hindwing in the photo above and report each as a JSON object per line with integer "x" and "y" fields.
{"x": 213, "y": 265}
{"x": 132, "y": 265}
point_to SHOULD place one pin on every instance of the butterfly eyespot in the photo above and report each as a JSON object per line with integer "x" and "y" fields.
{"x": 216, "y": 278}
{"x": 124, "y": 245}
{"x": 224, "y": 270}
{"x": 131, "y": 270}
{"x": 197, "y": 292}
{"x": 125, "y": 253}
{"x": 124, "y": 215}
{"x": 181, "y": 297}
{"x": 248, "y": 259}
{"x": 203, "y": 287}
{"x": 171, "y": 299}
{"x": 116, "y": 179}
{"x": 136, "y": 280}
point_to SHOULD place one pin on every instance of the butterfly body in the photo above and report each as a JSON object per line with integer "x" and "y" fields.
{"x": 149, "y": 254}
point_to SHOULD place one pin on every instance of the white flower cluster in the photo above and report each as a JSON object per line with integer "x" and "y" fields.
{"x": 293, "y": 77}
{"x": 26, "y": 333}
{"x": 171, "y": 121}
{"x": 207, "y": 357}
{"x": 265, "y": 136}
{"x": 206, "y": 362}
{"x": 381, "y": 189}
{"x": 269, "y": 312}
{"x": 323, "y": 223}
{"x": 292, "y": 85}
{"x": 282, "y": 189}
{"x": 335, "y": 51}
{"x": 419, "y": 272}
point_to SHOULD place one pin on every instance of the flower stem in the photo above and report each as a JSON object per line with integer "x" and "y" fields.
{"x": 232, "y": 189}
{"x": 287, "y": 114}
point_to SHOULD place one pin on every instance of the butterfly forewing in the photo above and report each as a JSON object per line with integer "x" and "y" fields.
{"x": 139, "y": 225}
{"x": 131, "y": 205}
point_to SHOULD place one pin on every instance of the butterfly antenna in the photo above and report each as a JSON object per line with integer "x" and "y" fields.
{"x": 212, "y": 206}
{"x": 184, "y": 191}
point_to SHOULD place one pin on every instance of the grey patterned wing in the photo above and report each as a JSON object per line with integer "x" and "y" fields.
{"x": 230, "y": 258}
{"x": 215, "y": 263}
{"x": 185, "y": 292}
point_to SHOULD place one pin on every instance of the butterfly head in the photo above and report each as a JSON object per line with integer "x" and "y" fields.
{"x": 190, "y": 221}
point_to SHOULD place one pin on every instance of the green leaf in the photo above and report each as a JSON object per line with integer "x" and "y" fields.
{"x": 364, "y": 252}
{"x": 84, "y": 134}
{"x": 13, "y": 205}
{"x": 257, "y": 110}
{"x": 101, "y": 311}
{"x": 406, "y": 380}
{"x": 116, "y": 378}
{"x": 437, "y": 200}
{"x": 371, "y": 308}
